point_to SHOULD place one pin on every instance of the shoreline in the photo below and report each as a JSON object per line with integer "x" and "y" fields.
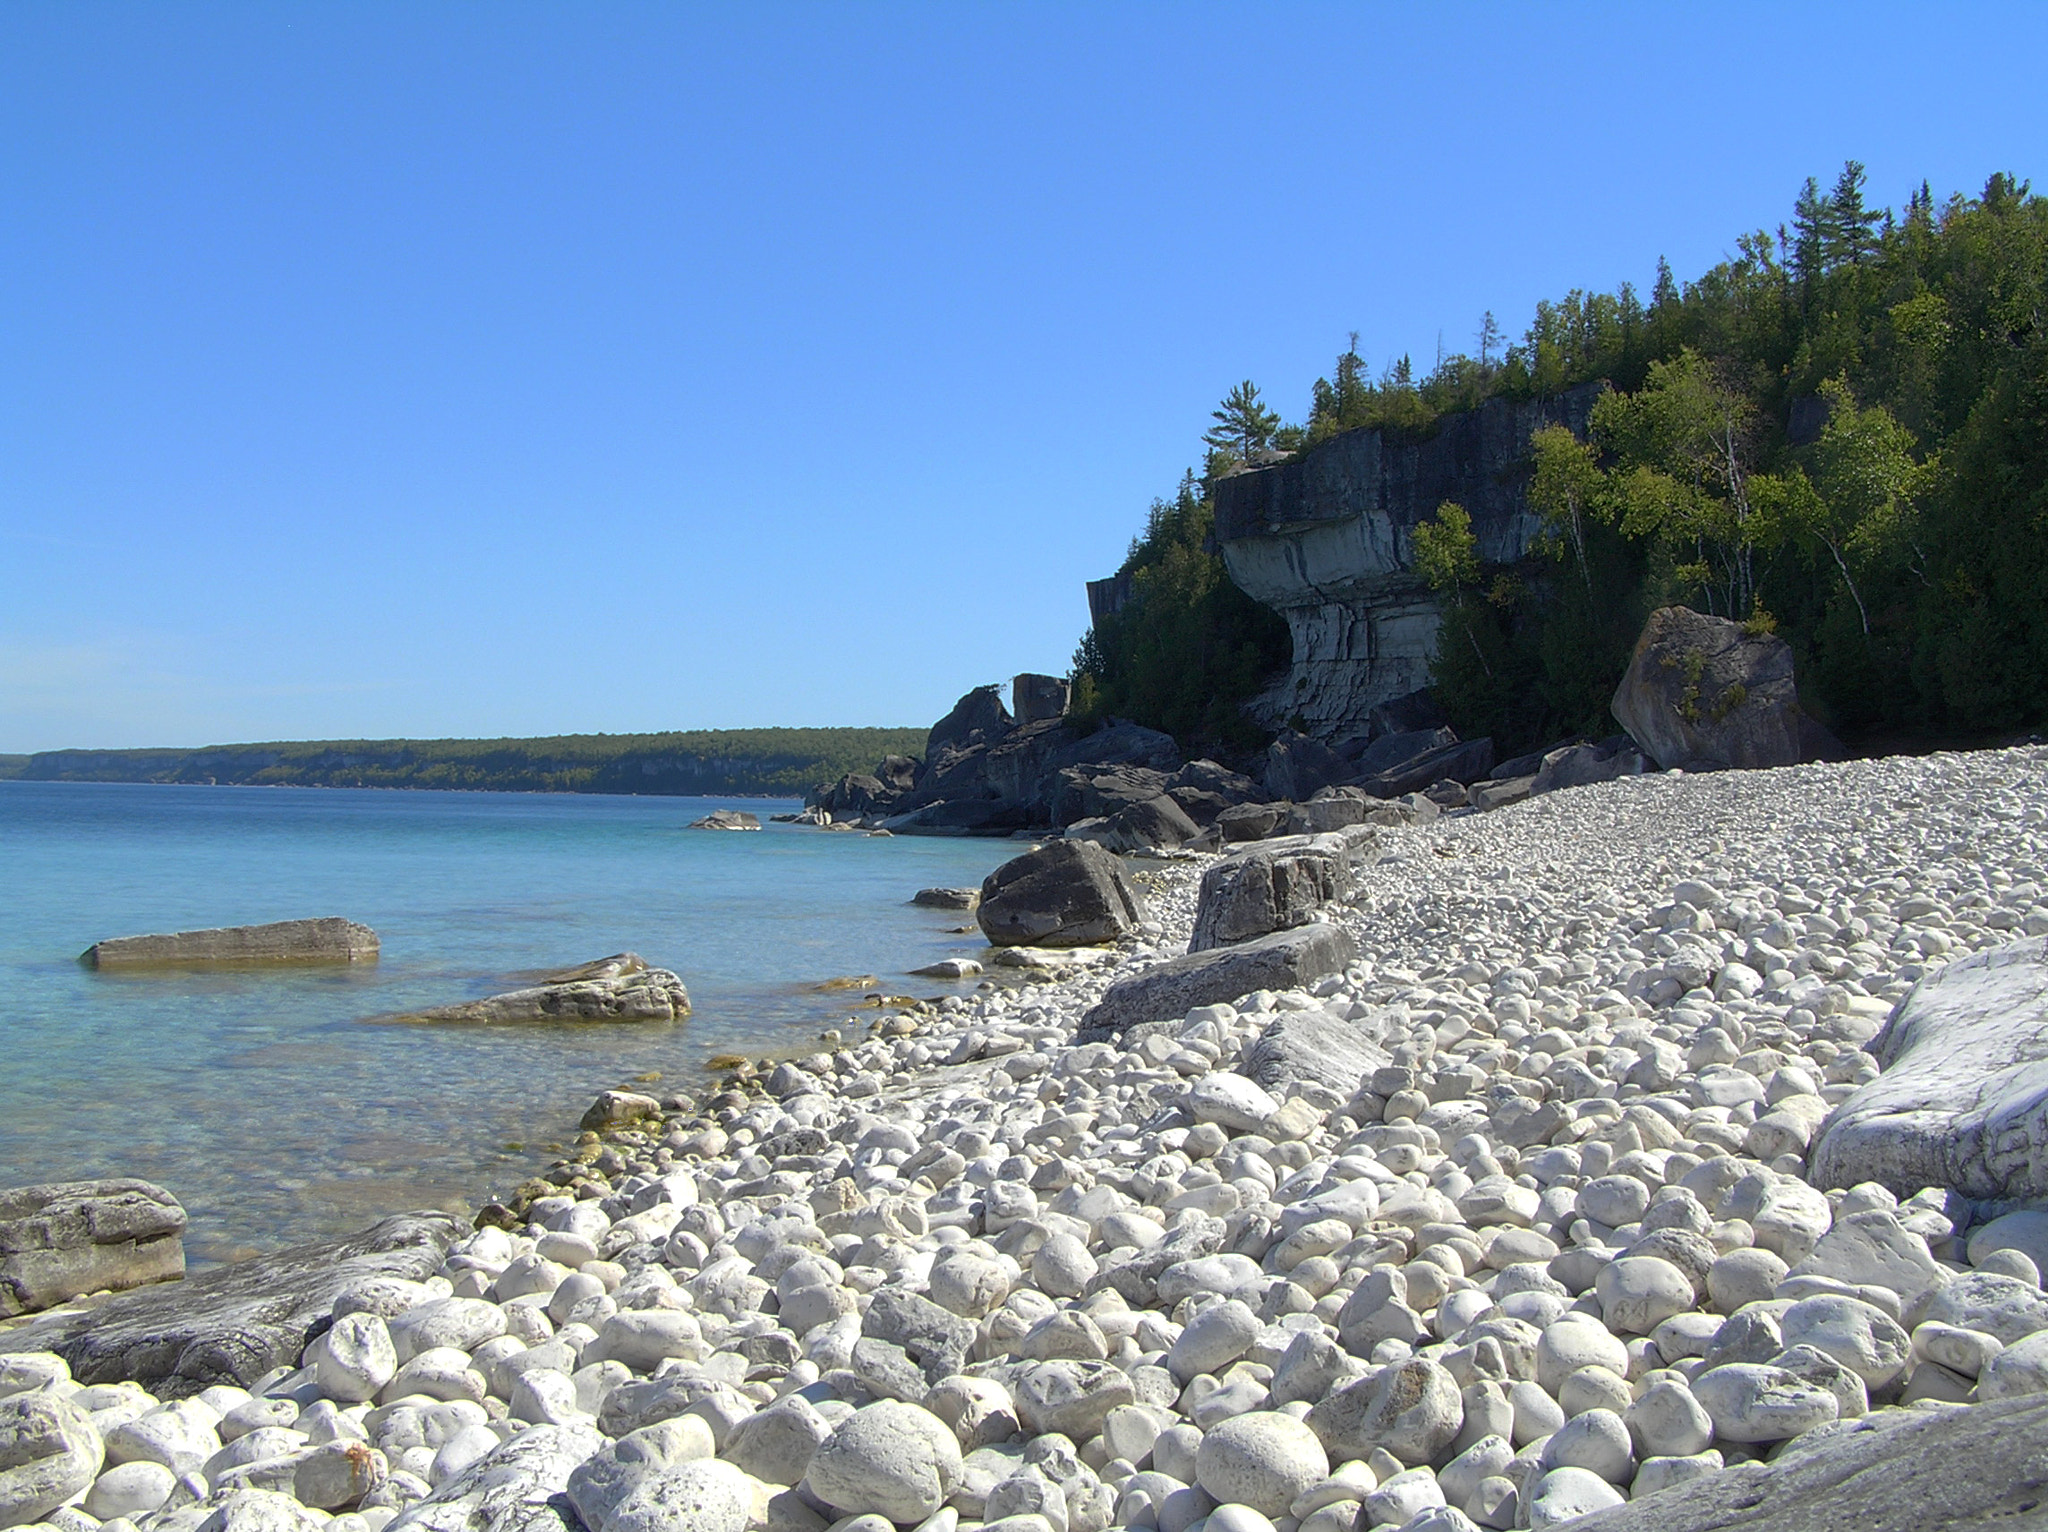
{"x": 1603, "y": 1023}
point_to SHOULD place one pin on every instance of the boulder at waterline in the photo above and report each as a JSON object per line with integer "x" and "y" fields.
{"x": 1157, "y": 824}
{"x": 727, "y": 819}
{"x": 63, "y": 1238}
{"x": 947, "y": 898}
{"x": 622, "y": 987}
{"x": 1702, "y": 690}
{"x": 1959, "y": 1104}
{"x": 1067, "y": 894}
{"x": 328, "y": 939}
{"x": 235, "y": 1324}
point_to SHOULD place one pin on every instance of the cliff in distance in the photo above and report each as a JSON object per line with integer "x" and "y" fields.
{"x": 1324, "y": 539}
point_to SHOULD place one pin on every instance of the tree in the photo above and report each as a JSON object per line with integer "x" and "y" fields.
{"x": 1860, "y": 501}
{"x": 1564, "y": 491}
{"x": 1489, "y": 338}
{"x": 1244, "y": 426}
{"x": 1851, "y": 231}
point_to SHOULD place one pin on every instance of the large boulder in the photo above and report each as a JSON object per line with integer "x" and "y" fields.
{"x": 1298, "y": 767}
{"x": 237, "y": 1323}
{"x": 618, "y": 988}
{"x": 1466, "y": 760}
{"x": 1961, "y": 1103}
{"x": 1260, "y": 891}
{"x": 50, "y": 1452}
{"x": 519, "y": 1487}
{"x": 64, "y": 1238}
{"x": 1283, "y": 960}
{"x": 1316, "y": 1047}
{"x": 977, "y": 718}
{"x": 1068, "y": 894}
{"x": 727, "y": 819}
{"x": 1078, "y": 793}
{"x": 1704, "y": 691}
{"x": 1389, "y": 751}
{"x": 1156, "y": 824}
{"x": 1036, "y": 697}
{"x": 1889, "y": 1471}
{"x": 1584, "y": 764}
{"x": 329, "y": 939}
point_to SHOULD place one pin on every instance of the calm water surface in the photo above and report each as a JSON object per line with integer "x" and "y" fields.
{"x": 275, "y": 1108}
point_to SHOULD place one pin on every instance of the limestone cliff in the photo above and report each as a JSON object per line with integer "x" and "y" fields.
{"x": 1323, "y": 538}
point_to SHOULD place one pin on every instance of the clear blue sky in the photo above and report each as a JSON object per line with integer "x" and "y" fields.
{"x": 424, "y": 369}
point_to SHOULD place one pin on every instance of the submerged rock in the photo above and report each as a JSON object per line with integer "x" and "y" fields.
{"x": 727, "y": 819}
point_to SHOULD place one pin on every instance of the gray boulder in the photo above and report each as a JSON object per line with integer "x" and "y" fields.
{"x": 1255, "y": 892}
{"x": 618, "y": 988}
{"x": 1704, "y": 691}
{"x": 329, "y": 939}
{"x": 1960, "y": 1103}
{"x": 1251, "y": 821}
{"x": 1313, "y": 1047}
{"x": 1581, "y": 765}
{"x": 1466, "y": 761}
{"x": 1037, "y": 698}
{"x": 237, "y": 1323}
{"x": 727, "y": 819}
{"x": 1283, "y": 960}
{"x": 1890, "y": 1471}
{"x": 1298, "y": 767}
{"x": 977, "y": 718}
{"x": 64, "y": 1238}
{"x": 1067, "y": 894}
{"x": 1157, "y": 824}
{"x": 946, "y": 898}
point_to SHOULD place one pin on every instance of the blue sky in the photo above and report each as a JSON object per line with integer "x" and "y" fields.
{"x": 420, "y": 369}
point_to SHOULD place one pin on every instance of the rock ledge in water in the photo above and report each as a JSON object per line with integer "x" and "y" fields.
{"x": 618, "y": 988}
{"x": 329, "y": 939}
{"x": 726, "y": 819}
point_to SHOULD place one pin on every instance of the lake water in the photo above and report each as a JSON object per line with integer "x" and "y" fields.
{"x": 270, "y": 1103}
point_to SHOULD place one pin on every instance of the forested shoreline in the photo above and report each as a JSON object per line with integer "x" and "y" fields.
{"x": 701, "y": 762}
{"x": 1841, "y": 433}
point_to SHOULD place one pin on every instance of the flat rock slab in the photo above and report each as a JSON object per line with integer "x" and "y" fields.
{"x": 64, "y": 1238}
{"x": 1977, "y": 1466}
{"x": 618, "y": 988}
{"x": 1283, "y": 960}
{"x": 1313, "y": 1046}
{"x": 1963, "y": 1100}
{"x": 727, "y": 819}
{"x": 329, "y": 939}
{"x": 235, "y": 1324}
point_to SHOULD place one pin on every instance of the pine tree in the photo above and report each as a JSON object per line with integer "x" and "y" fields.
{"x": 1244, "y": 426}
{"x": 1850, "y": 233}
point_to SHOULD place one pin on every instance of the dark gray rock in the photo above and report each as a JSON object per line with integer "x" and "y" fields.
{"x": 1582, "y": 765}
{"x": 63, "y": 1238}
{"x": 1157, "y": 824}
{"x": 1298, "y": 767}
{"x": 1283, "y": 960}
{"x": 1313, "y": 1046}
{"x": 1389, "y": 751}
{"x": 1980, "y": 1466}
{"x": 1959, "y": 1104}
{"x": 329, "y": 939}
{"x": 1251, "y": 821}
{"x": 237, "y": 1323}
{"x": 1255, "y": 892}
{"x": 1035, "y": 698}
{"x": 1080, "y": 793}
{"x": 934, "y": 1339}
{"x": 947, "y": 898}
{"x": 1703, "y": 691}
{"x": 977, "y": 718}
{"x": 1466, "y": 761}
{"x": 1407, "y": 713}
{"x": 1067, "y": 894}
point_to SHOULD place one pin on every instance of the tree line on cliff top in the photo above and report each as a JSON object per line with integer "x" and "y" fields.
{"x": 1841, "y": 433}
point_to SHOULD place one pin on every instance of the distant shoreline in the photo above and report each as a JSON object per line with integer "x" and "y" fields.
{"x": 700, "y": 763}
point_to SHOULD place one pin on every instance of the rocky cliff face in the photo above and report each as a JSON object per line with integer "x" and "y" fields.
{"x": 1323, "y": 538}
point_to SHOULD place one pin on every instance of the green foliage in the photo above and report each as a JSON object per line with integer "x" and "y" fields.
{"x": 1446, "y": 553}
{"x": 712, "y": 762}
{"x": 1244, "y": 428}
{"x": 1190, "y": 647}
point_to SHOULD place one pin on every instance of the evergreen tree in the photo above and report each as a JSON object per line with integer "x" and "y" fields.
{"x": 1244, "y": 426}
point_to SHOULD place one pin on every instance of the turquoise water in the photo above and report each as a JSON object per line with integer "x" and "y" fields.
{"x": 270, "y": 1103}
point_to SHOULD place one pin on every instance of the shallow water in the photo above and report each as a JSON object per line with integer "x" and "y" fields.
{"x": 273, "y": 1106}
